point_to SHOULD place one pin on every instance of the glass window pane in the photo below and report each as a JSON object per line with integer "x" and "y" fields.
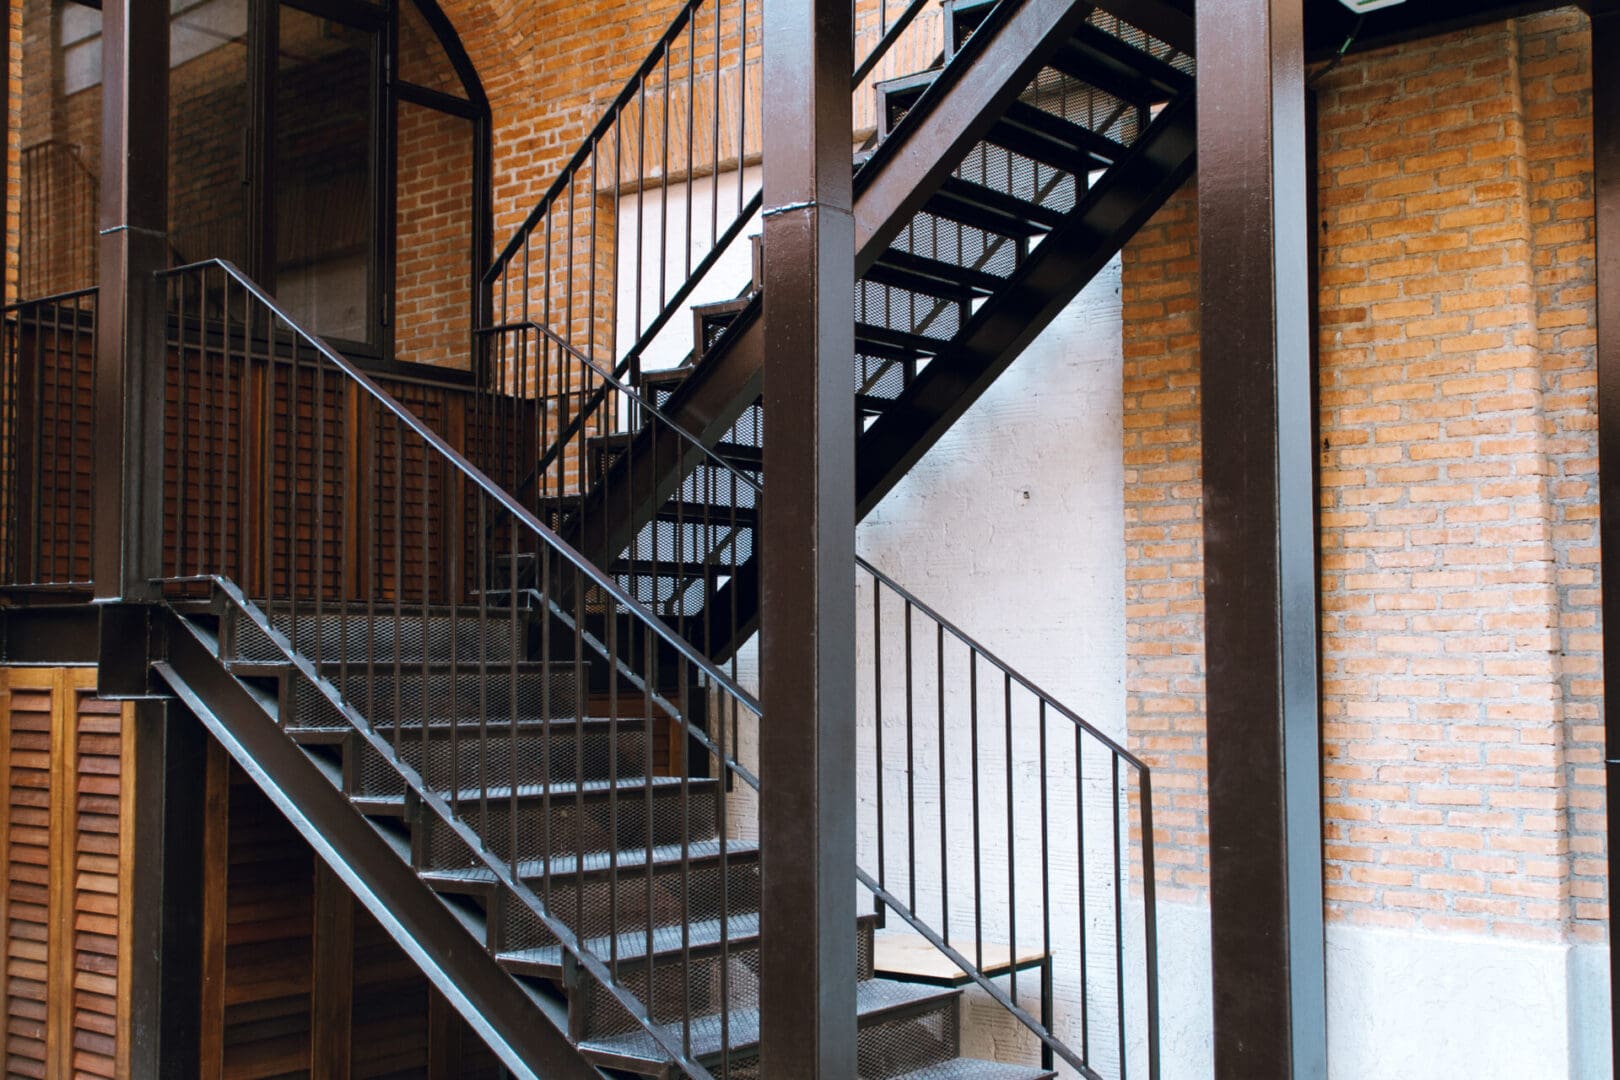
{"x": 325, "y": 221}
{"x": 208, "y": 129}
{"x": 433, "y": 232}
{"x": 59, "y": 139}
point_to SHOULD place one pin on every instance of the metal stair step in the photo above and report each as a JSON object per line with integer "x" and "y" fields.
{"x": 921, "y": 274}
{"x": 873, "y": 340}
{"x": 741, "y": 931}
{"x": 877, "y": 1001}
{"x": 976, "y": 1069}
{"x": 1119, "y": 55}
{"x": 1037, "y": 126}
{"x": 597, "y": 864}
{"x": 991, "y": 210}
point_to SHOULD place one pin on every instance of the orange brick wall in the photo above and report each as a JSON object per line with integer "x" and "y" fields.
{"x": 1457, "y": 534}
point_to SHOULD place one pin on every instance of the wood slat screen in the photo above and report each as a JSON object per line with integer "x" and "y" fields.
{"x": 67, "y": 839}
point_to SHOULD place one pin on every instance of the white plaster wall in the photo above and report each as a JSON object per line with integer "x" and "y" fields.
{"x": 1411, "y": 1005}
{"x": 653, "y": 244}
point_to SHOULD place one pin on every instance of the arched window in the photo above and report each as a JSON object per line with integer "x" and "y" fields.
{"x": 336, "y": 150}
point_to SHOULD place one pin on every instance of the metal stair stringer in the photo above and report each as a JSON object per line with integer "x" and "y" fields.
{"x": 523, "y": 1034}
{"x": 1070, "y": 256}
{"x": 903, "y": 172}
{"x": 943, "y": 391}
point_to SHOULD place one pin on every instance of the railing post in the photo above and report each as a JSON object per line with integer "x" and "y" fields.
{"x": 1265, "y": 766}
{"x": 807, "y": 654}
{"x": 128, "y": 537}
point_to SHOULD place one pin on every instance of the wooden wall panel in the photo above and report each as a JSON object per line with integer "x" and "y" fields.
{"x": 29, "y": 705}
{"x": 67, "y": 843}
{"x": 269, "y": 910}
{"x": 99, "y": 851}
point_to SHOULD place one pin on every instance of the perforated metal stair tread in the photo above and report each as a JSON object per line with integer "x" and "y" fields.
{"x": 741, "y": 930}
{"x": 977, "y": 1069}
{"x": 568, "y": 789}
{"x": 876, "y": 1000}
{"x": 597, "y": 863}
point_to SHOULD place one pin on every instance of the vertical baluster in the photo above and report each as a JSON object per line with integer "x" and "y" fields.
{"x": 398, "y": 590}
{"x": 911, "y": 769}
{"x": 1012, "y": 847}
{"x": 641, "y": 212}
{"x": 1046, "y": 890}
{"x": 663, "y": 183}
{"x": 318, "y": 398}
{"x": 424, "y": 577}
{"x": 543, "y": 577}
{"x": 581, "y": 706}
{"x": 294, "y": 562}
{"x": 1119, "y": 920}
{"x": 973, "y": 756}
{"x": 877, "y": 717}
{"x": 944, "y": 833}
{"x": 1080, "y": 842}
{"x": 614, "y": 745}
{"x": 714, "y": 109}
{"x": 52, "y": 458}
{"x": 691, "y": 134}
{"x": 684, "y": 713}
{"x": 483, "y": 569}
{"x": 75, "y": 350}
{"x": 742, "y": 102}
{"x": 513, "y": 850}
{"x": 649, "y": 681}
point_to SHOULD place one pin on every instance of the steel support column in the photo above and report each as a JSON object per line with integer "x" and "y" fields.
{"x": 129, "y": 348}
{"x": 807, "y": 652}
{"x": 1606, "y": 166}
{"x": 1264, "y": 744}
{"x": 165, "y": 987}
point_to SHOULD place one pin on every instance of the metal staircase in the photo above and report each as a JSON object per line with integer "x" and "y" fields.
{"x": 496, "y": 687}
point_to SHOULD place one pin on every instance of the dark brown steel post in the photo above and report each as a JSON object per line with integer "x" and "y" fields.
{"x": 1259, "y": 544}
{"x": 166, "y": 891}
{"x": 127, "y": 543}
{"x": 1606, "y": 164}
{"x": 807, "y": 652}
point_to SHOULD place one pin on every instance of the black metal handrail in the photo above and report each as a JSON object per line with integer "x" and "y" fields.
{"x": 47, "y": 452}
{"x": 1113, "y": 846}
{"x": 336, "y": 507}
{"x": 550, "y": 271}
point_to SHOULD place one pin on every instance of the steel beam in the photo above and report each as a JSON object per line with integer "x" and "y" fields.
{"x": 807, "y": 644}
{"x": 128, "y": 493}
{"x": 1264, "y": 739}
{"x": 1606, "y": 167}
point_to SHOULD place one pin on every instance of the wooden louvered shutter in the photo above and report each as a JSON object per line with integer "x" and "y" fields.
{"x": 66, "y": 837}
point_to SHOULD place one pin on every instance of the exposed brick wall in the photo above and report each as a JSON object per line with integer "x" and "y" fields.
{"x": 1164, "y": 602}
{"x": 1457, "y": 539}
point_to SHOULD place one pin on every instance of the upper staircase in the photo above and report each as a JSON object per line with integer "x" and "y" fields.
{"x": 1002, "y": 181}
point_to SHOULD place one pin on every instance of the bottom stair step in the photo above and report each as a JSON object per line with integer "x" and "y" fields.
{"x": 876, "y": 1001}
{"x": 974, "y": 1069}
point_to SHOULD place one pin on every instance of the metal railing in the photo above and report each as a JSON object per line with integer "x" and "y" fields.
{"x": 1041, "y": 879}
{"x": 47, "y": 446}
{"x": 998, "y": 866}
{"x": 56, "y": 230}
{"x": 531, "y": 731}
{"x": 648, "y": 206}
